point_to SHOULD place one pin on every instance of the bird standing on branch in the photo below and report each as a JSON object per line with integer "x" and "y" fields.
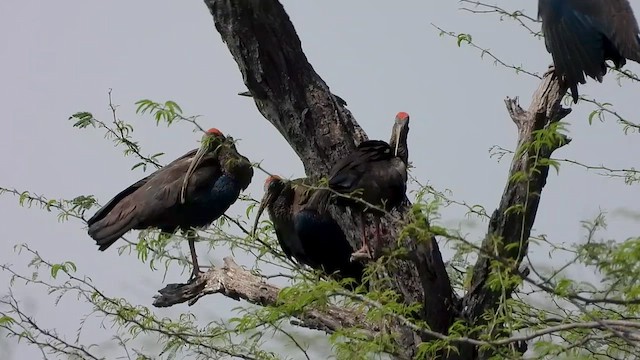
{"x": 192, "y": 191}
{"x": 371, "y": 179}
{"x": 582, "y": 34}
{"x": 308, "y": 237}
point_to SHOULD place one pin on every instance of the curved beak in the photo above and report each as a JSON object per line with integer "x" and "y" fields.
{"x": 397, "y": 129}
{"x": 266, "y": 200}
{"x": 192, "y": 167}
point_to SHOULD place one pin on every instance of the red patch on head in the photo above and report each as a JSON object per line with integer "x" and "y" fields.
{"x": 271, "y": 178}
{"x": 402, "y": 116}
{"x": 214, "y": 131}
{"x": 268, "y": 181}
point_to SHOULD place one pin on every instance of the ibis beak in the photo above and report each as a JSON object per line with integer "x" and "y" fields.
{"x": 192, "y": 167}
{"x": 397, "y": 136}
{"x": 266, "y": 199}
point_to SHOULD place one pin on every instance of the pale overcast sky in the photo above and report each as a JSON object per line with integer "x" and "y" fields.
{"x": 62, "y": 57}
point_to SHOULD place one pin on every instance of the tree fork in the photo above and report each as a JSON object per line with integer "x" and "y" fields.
{"x": 294, "y": 98}
{"x": 510, "y": 225}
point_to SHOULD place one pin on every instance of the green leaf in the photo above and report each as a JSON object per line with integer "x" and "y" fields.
{"x": 23, "y": 197}
{"x": 144, "y": 106}
{"x": 83, "y": 119}
{"x": 464, "y": 37}
{"x": 50, "y": 203}
{"x": 142, "y": 163}
{"x": 68, "y": 265}
{"x": 6, "y": 320}
{"x": 54, "y": 270}
{"x": 173, "y": 106}
{"x": 250, "y": 209}
{"x": 592, "y": 115}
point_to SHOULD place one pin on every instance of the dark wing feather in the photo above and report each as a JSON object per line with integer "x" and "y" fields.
{"x": 622, "y": 29}
{"x": 152, "y": 202}
{"x": 346, "y": 174}
{"x": 574, "y": 37}
{"x": 284, "y": 245}
{"x": 326, "y": 245}
{"x": 105, "y": 209}
{"x": 158, "y": 202}
{"x": 302, "y": 193}
{"x": 615, "y": 20}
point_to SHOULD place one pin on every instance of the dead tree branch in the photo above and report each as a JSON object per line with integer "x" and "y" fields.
{"x": 234, "y": 282}
{"x": 510, "y": 225}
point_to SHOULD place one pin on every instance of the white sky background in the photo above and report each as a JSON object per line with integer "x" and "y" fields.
{"x": 62, "y": 57}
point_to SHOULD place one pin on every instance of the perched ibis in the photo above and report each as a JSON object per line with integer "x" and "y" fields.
{"x": 375, "y": 173}
{"x": 582, "y": 34}
{"x": 310, "y": 238}
{"x": 190, "y": 192}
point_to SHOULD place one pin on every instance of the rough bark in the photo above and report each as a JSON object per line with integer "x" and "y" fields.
{"x": 285, "y": 87}
{"x": 291, "y": 95}
{"x": 510, "y": 226}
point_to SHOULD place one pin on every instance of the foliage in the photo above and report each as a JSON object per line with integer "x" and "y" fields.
{"x": 557, "y": 315}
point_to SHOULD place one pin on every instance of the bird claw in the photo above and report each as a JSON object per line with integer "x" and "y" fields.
{"x": 195, "y": 274}
{"x": 550, "y": 70}
{"x": 361, "y": 255}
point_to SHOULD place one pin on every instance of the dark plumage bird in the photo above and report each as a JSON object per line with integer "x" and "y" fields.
{"x": 375, "y": 173}
{"x": 582, "y": 34}
{"x": 308, "y": 237}
{"x": 192, "y": 191}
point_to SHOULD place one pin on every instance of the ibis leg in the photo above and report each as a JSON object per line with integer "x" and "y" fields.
{"x": 191, "y": 237}
{"x": 364, "y": 252}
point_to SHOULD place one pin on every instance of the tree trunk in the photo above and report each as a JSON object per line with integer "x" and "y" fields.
{"x": 293, "y": 98}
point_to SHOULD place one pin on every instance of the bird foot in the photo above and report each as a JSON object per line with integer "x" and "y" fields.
{"x": 361, "y": 255}
{"x": 551, "y": 69}
{"x": 195, "y": 274}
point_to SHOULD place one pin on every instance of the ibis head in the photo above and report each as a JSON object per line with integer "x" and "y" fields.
{"x": 272, "y": 187}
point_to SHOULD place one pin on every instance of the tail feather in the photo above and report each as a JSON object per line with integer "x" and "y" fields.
{"x": 576, "y": 45}
{"x": 106, "y": 233}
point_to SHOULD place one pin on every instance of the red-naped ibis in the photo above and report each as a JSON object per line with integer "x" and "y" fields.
{"x": 190, "y": 192}
{"x": 310, "y": 238}
{"x": 374, "y": 173}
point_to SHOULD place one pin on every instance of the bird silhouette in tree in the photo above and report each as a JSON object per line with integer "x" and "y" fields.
{"x": 190, "y": 192}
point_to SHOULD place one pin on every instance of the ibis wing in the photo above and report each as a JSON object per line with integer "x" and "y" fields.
{"x": 615, "y": 20}
{"x": 284, "y": 245}
{"x": 153, "y": 201}
{"x": 104, "y": 210}
{"x": 347, "y": 173}
{"x": 574, "y": 37}
{"x": 301, "y": 193}
{"x": 621, "y": 26}
{"x": 157, "y": 203}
